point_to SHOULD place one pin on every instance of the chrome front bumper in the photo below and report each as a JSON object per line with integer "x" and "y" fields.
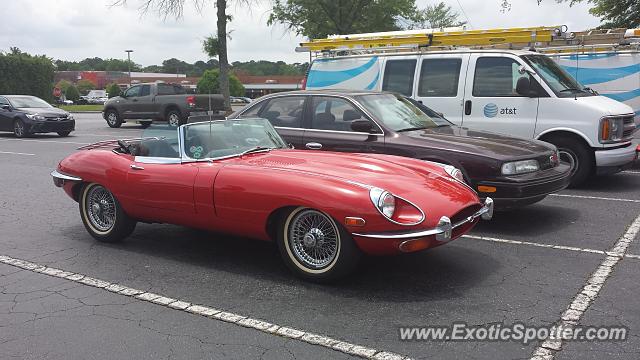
{"x": 59, "y": 178}
{"x": 442, "y": 231}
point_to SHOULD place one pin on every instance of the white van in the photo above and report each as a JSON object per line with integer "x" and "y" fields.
{"x": 517, "y": 92}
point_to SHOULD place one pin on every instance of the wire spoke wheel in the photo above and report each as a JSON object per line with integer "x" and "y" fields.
{"x": 101, "y": 208}
{"x": 314, "y": 239}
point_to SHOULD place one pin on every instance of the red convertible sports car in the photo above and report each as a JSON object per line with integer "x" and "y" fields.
{"x": 239, "y": 177}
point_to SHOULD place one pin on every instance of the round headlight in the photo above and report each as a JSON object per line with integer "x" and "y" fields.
{"x": 384, "y": 201}
{"x": 454, "y": 172}
{"x": 387, "y": 204}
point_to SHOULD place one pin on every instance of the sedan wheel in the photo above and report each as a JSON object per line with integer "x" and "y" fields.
{"x": 315, "y": 247}
{"x": 102, "y": 214}
{"x": 19, "y": 129}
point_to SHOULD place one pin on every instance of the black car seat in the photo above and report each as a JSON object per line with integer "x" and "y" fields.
{"x": 157, "y": 148}
{"x": 325, "y": 121}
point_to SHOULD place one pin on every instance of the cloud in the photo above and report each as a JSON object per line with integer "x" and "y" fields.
{"x": 77, "y": 29}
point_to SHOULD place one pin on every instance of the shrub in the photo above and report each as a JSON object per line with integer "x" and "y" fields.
{"x": 72, "y": 93}
{"x": 209, "y": 84}
{"x": 113, "y": 90}
{"x": 24, "y": 74}
{"x": 84, "y": 86}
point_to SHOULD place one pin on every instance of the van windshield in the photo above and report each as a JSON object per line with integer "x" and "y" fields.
{"x": 399, "y": 114}
{"x": 562, "y": 84}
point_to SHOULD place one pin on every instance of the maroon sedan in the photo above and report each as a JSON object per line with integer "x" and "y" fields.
{"x": 512, "y": 171}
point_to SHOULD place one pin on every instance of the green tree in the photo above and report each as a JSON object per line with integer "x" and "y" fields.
{"x": 209, "y": 83}
{"x": 613, "y": 13}
{"x": 72, "y": 93}
{"x": 22, "y": 73}
{"x": 84, "y": 86}
{"x": 113, "y": 90}
{"x": 319, "y": 18}
{"x": 436, "y": 16}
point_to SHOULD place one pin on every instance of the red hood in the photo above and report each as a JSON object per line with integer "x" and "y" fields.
{"x": 399, "y": 175}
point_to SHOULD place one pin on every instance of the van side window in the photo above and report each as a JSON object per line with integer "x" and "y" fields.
{"x": 398, "y": 76}
{"x": 496, "y": 77}
{"x": 284, "y": 111}
{"x": 330, "y": 113}
{"x": 439, "y": 78}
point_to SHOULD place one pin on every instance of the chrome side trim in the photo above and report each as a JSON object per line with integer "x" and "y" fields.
{"x": 442, "y": 230}
{"x": 58, "y": 175}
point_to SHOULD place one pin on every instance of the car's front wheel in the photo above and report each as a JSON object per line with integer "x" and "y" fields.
{"x": 102, "y": 214}
{"x": 315, "y": 247}
{"x": 19, "y": 129}
{"x": 113, "y": 118}
{"x": 64, "y": 133}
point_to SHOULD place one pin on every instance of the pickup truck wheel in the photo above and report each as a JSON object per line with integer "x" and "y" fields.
{"x": 174, "y": 118}
{"x": 113, "y": 119}
{"x": 103, "y": 216}
{"x": 578, "y": 155}
{"x": 315, "y": 247}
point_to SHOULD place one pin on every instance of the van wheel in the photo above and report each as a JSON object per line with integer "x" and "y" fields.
{"x": 103, "y": 216}
{"x": 113, "y": 118}
{"x": 315, "y": 247}
{"x": 578, "y": 155}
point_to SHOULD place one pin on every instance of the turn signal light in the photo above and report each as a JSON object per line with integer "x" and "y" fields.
{"x": 414, "y": 245}
{"x": 354, "y": 221}
{"x": 605, "y": 130}
{"x": 487, "y": 189}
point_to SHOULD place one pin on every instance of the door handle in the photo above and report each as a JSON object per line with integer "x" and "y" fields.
{"x": 467, "y": 107}
{"x": 136, "y": 167}
{"x": 313, "y": 146}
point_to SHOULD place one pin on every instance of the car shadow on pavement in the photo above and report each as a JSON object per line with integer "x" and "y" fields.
{"x": 440, "y": 273}
{"x": 533, "y": 220}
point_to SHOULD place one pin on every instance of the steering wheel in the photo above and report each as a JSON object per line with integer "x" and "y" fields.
{"x": 123, "y": 146}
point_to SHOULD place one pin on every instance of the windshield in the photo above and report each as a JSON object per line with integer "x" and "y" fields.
{"x": 562, "y": 84}
{"x": 225, "y": 138}
{"x": 28, "y": 102}
{"x": 398, "y": 113}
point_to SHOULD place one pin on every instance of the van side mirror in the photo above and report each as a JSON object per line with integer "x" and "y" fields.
{"x": 523, "y": 87}
{"x": 362, "y": 125}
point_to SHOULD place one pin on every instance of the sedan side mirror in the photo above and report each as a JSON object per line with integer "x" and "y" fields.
{"x": 362, "y": 125}
{"x": 6, "y": 107}
{"x": 523, "y": 87}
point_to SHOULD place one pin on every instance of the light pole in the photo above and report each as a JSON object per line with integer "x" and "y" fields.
{"x": 129, "y": 63}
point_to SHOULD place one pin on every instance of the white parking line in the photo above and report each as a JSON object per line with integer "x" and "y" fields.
{"x": 548, "y": 246}
{"x": 48, "y": 141}
{"x": 15, "y": 153}
{"x": 595, "y": 198}
{"x": 209, "y": 312}
{"x": 581, "y": 302}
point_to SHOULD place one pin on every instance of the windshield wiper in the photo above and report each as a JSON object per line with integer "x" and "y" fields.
{"x": 572, "y": 89}
{"x": 255, "y": 150}
{"x": 413, "y": 128}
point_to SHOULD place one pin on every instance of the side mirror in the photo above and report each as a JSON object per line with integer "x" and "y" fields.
{"x": 362, "y": 125}
{"x": 523, "y": 87}
{"x": 123, "y": 95}
{"x": 6, "y": 107}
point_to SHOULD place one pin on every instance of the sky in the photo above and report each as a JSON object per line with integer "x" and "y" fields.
{"x": 77, "y": 29}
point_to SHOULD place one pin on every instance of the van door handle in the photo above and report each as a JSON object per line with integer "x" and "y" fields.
{"x": 467, "y": 107}
{"x": 313, "y": 146}
{"x": 136, "y": 167}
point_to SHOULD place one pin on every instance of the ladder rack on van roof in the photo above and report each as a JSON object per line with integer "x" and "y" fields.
{"x": 546, "y": 39}
{"x": 435, "y": 39}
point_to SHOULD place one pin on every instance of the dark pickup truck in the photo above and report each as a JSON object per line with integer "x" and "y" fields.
{"x": 161, "y": 102}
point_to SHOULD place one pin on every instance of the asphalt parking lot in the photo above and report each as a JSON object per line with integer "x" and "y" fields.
{"x": 528, "y": 265}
